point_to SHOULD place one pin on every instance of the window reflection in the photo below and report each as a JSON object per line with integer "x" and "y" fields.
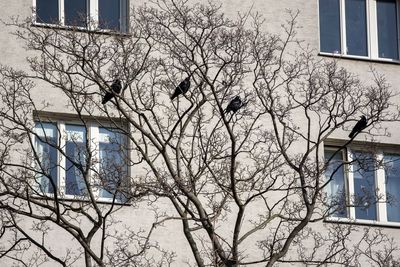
{"x": 336, "y": 187}
{"x": 364, "y": 186}
{"x": 47, "y": 156}
{"x": 392, "y": 177}
{"x": 113, "y": 167}
{"x": 75, "y": 12}
{"x": 112, "y": 14}
{"x": 75, "y": 159}
{"x": 47, "y": 11}
{"x": 356, "y": 27}
{"x": 387, "y": 29}
{"x": 329, "y": 24}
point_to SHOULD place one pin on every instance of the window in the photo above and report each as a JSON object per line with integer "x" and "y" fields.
{"x": 360, "y": 28}
{"x": 365, "y": 189}
{"x": 329, "y": 25}
{"x": 112, "y": 161}
{"x": 75, "y": 150}
{"x": 113, "y": 14}
{"x": 75, "y": 12}
{"x": 91, "y": 14}
{"x": 336, "y": 187}
{"x": 356, "y": 27}
{"x": 62, "y": 152}
{"x": 368, "y": 189}
{"x": 387, "y": 29}
{"x": 392, "y": 182}
{"x": 47, "y": 11}
{"x": 47, "y": 156}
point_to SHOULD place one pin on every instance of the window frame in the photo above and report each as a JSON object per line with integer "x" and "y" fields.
{"x": 372, "y": 33}
{"x": 380, "y": 188}
{"x": 92, "y": 17}
{"x": 93, "y": 135}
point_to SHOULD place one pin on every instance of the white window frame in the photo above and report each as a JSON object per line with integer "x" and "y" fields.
{"x": 93, "y": 133}
{"x": 380, "y": 187}
{"x": 92, "y": 17}
{"x": 372, "y": 33}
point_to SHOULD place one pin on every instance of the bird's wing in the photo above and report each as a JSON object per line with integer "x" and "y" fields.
{"x": 107, "y": 97}
{"x": 359, "y": 126}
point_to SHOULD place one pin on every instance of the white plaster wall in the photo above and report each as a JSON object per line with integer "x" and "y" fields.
{"x": 13, "y": 53}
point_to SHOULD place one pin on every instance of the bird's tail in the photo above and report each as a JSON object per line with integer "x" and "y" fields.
{"x": 351, "y": 135}
{"x": 106, "y": 98}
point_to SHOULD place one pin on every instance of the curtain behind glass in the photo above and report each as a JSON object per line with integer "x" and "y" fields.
{"x": 76, "y": 154}
{"x": 113, "y": 167}
{"x": 47, "y": 155}
{"x": 364, "y": 185}
{"x": 392, "y": 173}
{"x": 336, "y": 187}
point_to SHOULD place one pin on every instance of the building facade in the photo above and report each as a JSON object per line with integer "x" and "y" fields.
{"x": 83, "y": 173}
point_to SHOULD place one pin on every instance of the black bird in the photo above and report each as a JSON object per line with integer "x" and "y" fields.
{"x": 182, "y": 88}
{"x": 360, "y": 125}
{"x": 234, "y": 105}
{"x": 115, "y": 89}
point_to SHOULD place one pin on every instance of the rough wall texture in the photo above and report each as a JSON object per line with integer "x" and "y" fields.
{"x": 13, "y": 53}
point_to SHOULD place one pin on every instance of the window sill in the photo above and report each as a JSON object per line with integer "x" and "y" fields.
{"x": 75, "y": 199}
{"x": 362, "y": 222}
{"x": 80, "y": 29}
{"x": 359, "y": 58}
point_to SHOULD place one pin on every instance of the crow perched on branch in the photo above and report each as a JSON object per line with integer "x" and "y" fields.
{"x": 182, "y": 88}
{"x": 234, "y": 105}
{"x": 115, "y": 89}
{"x": 360, "y": 125}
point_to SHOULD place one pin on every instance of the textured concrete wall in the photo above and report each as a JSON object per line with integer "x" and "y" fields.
{"x": 170, "y": 236}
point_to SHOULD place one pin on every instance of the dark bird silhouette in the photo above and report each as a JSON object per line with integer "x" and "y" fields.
{"x": 234, "y": 105}
{"x": 182, "y": 88}
{"x": 115, "y": 89}
{"x": 360, "y": 125}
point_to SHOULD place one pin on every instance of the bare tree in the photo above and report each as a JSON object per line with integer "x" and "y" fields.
{"x": 251, "y": 180}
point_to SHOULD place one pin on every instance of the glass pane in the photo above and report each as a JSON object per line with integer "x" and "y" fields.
{"x": 47, "y": 155}
{"x": 75, "y": 12}
{"x": 329, "y": 26}
{"x": 113, "y": 167}
{"x": 387, "y": 29}
{"x": 336, "y": 187}
{"x": 47, "y": 11}
{"x": 356, "y": 27}
{"x": 75, "y": 159}
{"x": 364, "y": 186}
{"x": 392, "y": 172}
{"x": 124, "y": 15}
{"x": 109, "y": 14}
